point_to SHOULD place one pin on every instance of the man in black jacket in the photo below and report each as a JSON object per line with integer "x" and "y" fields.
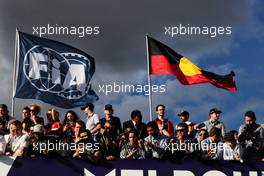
{"x": 136, "y": 124}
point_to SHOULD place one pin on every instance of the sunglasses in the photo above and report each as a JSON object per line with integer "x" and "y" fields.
{"x": 202, "y": 134}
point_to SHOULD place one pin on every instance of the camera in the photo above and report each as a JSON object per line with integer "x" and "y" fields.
{"x": 247, "y": 134}
{"x": 69, "y": 124}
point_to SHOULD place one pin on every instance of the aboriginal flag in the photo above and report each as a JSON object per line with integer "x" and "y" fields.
{"x": 163, "y": 60}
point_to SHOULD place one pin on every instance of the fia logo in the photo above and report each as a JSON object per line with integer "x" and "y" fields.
{"x": 64, "y": 74}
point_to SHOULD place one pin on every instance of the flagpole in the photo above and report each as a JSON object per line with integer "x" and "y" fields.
{"x": 15, "y": 73}
{"x": 149, "y": 81}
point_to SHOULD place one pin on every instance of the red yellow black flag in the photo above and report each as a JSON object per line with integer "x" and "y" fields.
{"x": 164, "y": 60}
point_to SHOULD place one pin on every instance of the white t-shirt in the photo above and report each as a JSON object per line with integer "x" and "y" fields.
{"x": 2, "y": 145}
{"x": 15, "y": 143}
{"x": 92, "y": 121}
{"x": 229, "y": 153}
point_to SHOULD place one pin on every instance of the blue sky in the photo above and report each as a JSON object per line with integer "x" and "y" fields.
{"x": 120, "y": 52}
{"x": 246, "y": 61}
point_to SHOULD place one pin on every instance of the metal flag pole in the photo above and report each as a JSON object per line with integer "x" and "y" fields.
{"x": 149, "y": 81}
{"x": 15, "y": 73}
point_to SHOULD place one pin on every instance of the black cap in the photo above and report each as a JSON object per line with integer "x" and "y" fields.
{"x": 87, "y": 105}
{"x": 108, "y": 107}
{"x": 184, "y": 113}
{"x": 217, "y": 111}
{"x": 3, "y": 106}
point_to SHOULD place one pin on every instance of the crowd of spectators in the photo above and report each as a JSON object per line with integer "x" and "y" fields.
{"x": 106, "y": 138}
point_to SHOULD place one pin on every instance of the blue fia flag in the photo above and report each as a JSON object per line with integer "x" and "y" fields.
{"x": 53, "y": 72}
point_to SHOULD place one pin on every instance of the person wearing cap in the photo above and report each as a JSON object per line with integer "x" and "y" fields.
{"x": 37, "y": 138}
{"x": 168, "y": 126}
{"x": 114, "y": 121}
{"x": 15, "y": 143}
{"x": 93, "y": 120}
{"x": 4, "y": 119}
{"x": 251, "y": 138}
{"x": 184, "y": 117}
{"x": 214, "y": 115}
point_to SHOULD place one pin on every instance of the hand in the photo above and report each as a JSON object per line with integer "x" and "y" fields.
{"x": 8, "y": 154}
{"x": 132, "y": 153}
{"x": 237, "y": 157}
{"x": 210, "y": 152}
{"x": 140, "y": 142}
{"x": 77, "y": 153}
{"x": 149, "y": 144}
{"x": 102, "y": 130}
{"x": 109, "y": 158}
{"x": 66, "y": 128}
{"x": 146, "y": 142}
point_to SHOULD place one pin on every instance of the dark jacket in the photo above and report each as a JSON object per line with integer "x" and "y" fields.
{"x": 140, "y": 131}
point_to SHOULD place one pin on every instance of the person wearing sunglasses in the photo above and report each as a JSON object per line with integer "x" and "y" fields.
{"x": 34, "y": 115}
{"x": 202, "y": 135}
{"x": 182, "y": 145}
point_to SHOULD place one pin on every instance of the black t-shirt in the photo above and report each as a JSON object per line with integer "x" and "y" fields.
{"x": 116, "y": 125}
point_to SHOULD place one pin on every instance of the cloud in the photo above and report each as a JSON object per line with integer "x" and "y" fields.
{"x": 120, "y": 50}
{"x": 235, "y": 116}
